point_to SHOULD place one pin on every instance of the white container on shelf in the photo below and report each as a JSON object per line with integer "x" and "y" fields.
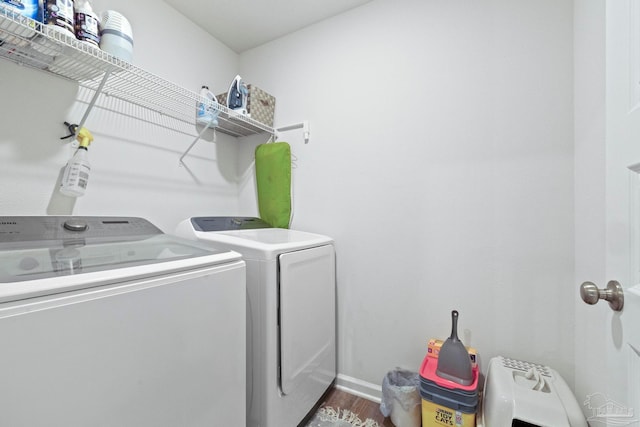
{"x": 116, "y": 35}
{"x": 207, "y": 112}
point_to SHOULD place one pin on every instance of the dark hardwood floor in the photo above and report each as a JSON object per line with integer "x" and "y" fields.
{"x": 363, "y": 407}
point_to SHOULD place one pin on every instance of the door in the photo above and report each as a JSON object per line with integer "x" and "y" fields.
{"x": 608, "y": 342}
{"x": 307, "y": 322}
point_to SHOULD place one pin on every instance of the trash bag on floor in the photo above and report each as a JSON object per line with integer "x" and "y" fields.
{"x": 401, "y": 398}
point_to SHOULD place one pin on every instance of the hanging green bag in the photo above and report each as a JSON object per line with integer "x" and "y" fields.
{"x": 273, "y": 180}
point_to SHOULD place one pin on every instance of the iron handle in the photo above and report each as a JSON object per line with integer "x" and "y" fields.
{"x": 613, "y": 293}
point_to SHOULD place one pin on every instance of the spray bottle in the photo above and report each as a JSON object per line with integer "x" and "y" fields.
{"x": 76, "y": 173}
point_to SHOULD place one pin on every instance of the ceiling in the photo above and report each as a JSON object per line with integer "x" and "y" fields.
{"x": 245, "y": 24}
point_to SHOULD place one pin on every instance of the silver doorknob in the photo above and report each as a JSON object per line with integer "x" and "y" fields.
{"x": 613, "y": 293}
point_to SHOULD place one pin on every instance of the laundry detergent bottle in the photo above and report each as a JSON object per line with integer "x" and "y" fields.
{"x": 207, "y": 112}
{"x": 86, "y": 23}
{"x": 76, "y": 173}
{"x": 58, "y": 15}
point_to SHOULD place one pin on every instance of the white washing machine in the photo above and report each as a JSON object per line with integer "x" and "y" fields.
{"x": 109, "y": 322}
{"x": 291, "y": 341}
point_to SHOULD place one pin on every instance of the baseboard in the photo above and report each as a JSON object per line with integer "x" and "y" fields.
{"x": 360, "y": 388}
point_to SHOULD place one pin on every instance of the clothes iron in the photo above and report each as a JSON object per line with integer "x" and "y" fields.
{"x": 237, "y": 96}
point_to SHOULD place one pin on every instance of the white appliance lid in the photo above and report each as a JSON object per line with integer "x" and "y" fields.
{"x": 33, "y": 248}
{"x": 263, "y": 243}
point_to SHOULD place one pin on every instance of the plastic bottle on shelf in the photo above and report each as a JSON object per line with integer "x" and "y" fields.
{"x": 116, "y": 35}
{"x": 58, "y": 15}
{"x": 21, "y": 35}
{"x": 76, "y": 173}
{"x": 207, "y": 112}
{"x": 28, "y": 8}
{"x": 86, "y": 23}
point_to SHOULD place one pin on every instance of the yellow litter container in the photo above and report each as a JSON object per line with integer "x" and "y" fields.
{"x": 435, "y": 415}
{"x": 445, "y": 403}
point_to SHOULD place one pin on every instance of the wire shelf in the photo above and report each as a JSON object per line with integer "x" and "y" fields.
{"x": 32, "y": 44}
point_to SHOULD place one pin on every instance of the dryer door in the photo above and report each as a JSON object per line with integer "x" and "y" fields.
{"x": 307, "y": 320}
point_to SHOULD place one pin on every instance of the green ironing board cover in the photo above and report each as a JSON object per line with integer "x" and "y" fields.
{"x": 273, "y": 180}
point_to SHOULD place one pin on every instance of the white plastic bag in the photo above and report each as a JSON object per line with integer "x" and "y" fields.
{"x": 401, "y": 398}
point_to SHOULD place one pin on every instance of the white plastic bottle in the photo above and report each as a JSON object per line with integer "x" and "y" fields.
{"x": 86, "y": 23}
{"x": 207, "y": 113}
{"x": 76, "y": 173}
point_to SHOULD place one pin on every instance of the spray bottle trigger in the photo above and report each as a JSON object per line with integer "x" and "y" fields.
{"x": 84, "y": 137}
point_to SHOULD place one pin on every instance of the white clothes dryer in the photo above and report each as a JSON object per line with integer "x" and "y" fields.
{"x": 291, "y": 336}
{"x": 107, "y": 321}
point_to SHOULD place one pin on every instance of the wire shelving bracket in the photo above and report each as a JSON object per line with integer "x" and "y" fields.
{"x": 35, "y": 45}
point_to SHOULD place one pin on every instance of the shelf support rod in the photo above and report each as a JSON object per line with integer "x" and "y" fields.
{"x": 92, "y": 103}
{"x": 303, "y": 125}
{"x": 194, "y": 142}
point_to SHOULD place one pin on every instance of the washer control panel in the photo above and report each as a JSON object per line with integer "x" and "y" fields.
{"x": 226, "y": 223}
{"x": 62, "y": 228}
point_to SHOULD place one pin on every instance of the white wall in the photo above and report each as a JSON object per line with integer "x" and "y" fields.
{"x": 134, "y": 162}
{"x": 441, "y": 161}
